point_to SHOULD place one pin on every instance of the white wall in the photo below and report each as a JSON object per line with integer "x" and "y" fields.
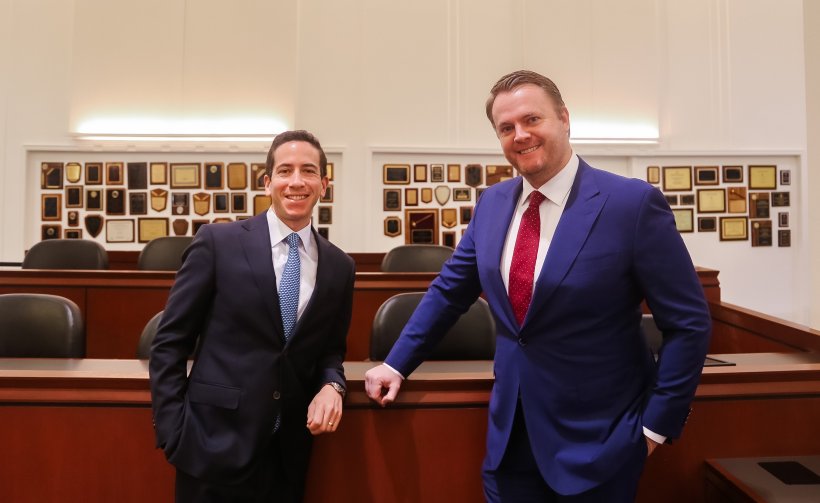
{"x": 812, "y": 187}
{"x": 382, "y": 80}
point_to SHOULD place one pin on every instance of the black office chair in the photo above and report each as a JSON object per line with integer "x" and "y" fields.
{"x": 654, "y": 336}
{"x": 416, "y": 258}
{"x": 66, "y": 254}
{"x": 163, "y": 254}
{"x": 36, "y": 325}
{"x": 147, "y": 336}
{"x": 471, "y": 338}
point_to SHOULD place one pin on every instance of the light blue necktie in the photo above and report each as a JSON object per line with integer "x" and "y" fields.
{"x": 289, "y": 286}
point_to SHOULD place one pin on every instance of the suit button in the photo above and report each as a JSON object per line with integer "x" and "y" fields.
{"x": 522, "y": 342}
{"x": 276, "y": 395}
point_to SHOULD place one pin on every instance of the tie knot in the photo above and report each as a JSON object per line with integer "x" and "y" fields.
{"x": 536, "y": 198}
{"x": 293, "y": 240}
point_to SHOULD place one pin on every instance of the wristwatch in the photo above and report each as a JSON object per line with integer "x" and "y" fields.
{"x": 338, "y": 387}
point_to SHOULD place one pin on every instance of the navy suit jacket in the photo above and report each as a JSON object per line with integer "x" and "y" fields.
{"x": 580, "y": 364}
{"x": 213, "y": 423}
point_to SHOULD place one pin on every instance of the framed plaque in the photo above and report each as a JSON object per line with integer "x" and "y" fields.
{"x": 258, "y": 176}
{"x": 159, "y": 199}
{"x": 421, "y": 226}
{"x": 442, "y": 194}
{"x": 763, "y": 177}
{"x": 758, "y": 204}
{"x": 221, "y": 203}
{"x": 202, "y": 203}
{"x": 325, "y": 215}
{"x": 261, "y": 203}
{"x": 392, "y": 200}
{"x": 50, "y": 231}
{"x": 138, "y": 203}
{"x": 784, "y": 238}
{"x": 196, "y": 224}
{"x": 437, "y": 173}
{"x": 653, "y": 174}
{"x": 707, "y": 224}
{"x": 448, "y": 238}
{"x": 461, "y": 194}
{"x": 73, "y": 218}
{"x": 734, "y": 228}
{"x": 74, "y": 196}
{"x": 180, "y": 227}
{"x": 711, "y": 200}
{"x": 180, "y": 203}
{"x": 137, "y": 175}
{"x": 327, "y": 195}
{"x": 51, "y": 206}
{"x": 114, "y": 202}
{"x": 214, "y": 175}
{"x": 221, "y": 220}
{"x": 411, "y": 197}
{"x": 419, "y": 172}
{"x": 454, "y": 172}
{"x": 761, "y": 233}
{"x": 114, "y": 173}
{"x": 732, "y": 174}
{"x": 185, "y": 175}
{"x": 785, "y": 177}
{"x": 497, "y": 174}
{"x": 449, "y": 217}
{"x": 237, "y": 176}
{"x": 687, "y": 199}
{"x": 671, "y": 199}
{"x": 239, "y": 202}
{"x": 93, "y": 173}
{"x": 73, "y": 172}
{"x": 426, "y": 195}
{"x": 152, "y": 228}
{"x": 466, "y": 214}
{"x": 73, "y": 234}
{"x": 94, "y": 224}
{"x": 677, "y": 178}
{"x": 119, "y": 231}
{"x": 324, "y": 232}
{"x": 684, "y": 219}
{"x": 706, "y": 175}
{"x": 329, "y": 171}
{"x": 478, "y": 192}
{"x": 93, "y": 199}
{"x": 392, "y": 226}
{"x": 51, "y": 175}
{"x": 781, "y": 199}
{"x": 396, "y": 174}
{"x": 473, "y": 174}
{"x": 159, "y": 173}
{"x": 737, "y": 199}
{"x": 783, "y": 219}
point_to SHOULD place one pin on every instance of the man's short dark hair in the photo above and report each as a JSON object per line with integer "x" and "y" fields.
{"x": 519, "y": 78}
{"x": 297, "y": 135}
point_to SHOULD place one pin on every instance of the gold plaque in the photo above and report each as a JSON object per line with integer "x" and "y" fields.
{"x": 260, "y": 204}
{"x": 426, "y": 195}
{"x": 159, "y": 199}
{"x": 237, "y": 175}
{"x": 763, "y": 177}
{"x": 677, "y": 178}
{"x": 202, "y": 203}
{"x": 152, "y": 228}
{"x": 159, "y": 173}
{"x": 185, "y": 175}
{"x": 449, "y": 217}
{"x": 73, "y": 172}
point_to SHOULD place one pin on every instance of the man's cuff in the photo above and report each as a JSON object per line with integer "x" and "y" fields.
{"x": 651, "y": 435}
{"x": 394, "y": 371}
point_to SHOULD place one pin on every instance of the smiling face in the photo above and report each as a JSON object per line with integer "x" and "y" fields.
{"x": 534, "y": 133}
{"x": 295, "y": 183}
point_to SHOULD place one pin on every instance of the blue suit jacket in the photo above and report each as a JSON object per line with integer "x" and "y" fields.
{"x": 214, "y": 423}
{"x": 579, "y": 362}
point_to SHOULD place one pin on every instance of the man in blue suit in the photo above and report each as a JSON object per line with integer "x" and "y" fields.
{"x": 565, "y": 254}
{"x": 269, "y": 302}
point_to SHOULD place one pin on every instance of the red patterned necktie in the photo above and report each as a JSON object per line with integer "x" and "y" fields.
{"x": 522, "y": 268}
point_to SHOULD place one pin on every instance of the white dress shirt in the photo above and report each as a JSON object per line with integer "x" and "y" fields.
{"x": 308, "y": 257}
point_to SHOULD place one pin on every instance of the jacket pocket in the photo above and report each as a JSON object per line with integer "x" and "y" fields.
{"x": 217, "y": 395}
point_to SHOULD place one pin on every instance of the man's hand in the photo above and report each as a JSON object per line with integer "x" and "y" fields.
{"x": 325, "y": 411}
{"x": 650, "y": 446}
{"x": 381, "y": 378}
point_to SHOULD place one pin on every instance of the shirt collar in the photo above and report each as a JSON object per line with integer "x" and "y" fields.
{"x": 558, "y": 187}
{"x": 279, "y": 231}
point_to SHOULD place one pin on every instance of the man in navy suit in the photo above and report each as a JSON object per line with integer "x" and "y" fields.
{"x": 565, "y": 254}
{"x": 269, "y": 302}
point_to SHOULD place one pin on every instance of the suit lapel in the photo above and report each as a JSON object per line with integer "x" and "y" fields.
{"x": 582, "y": 209}
{"x": 258, "y": 252}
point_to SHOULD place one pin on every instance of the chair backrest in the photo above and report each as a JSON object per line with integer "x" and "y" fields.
{"x": 163, "y": 254}
{"x": 471, "y": 338}
{"x": 147, "y": 336}
{"x": 416, "y": 258}
{"x": 66, "y": 254}
{"x": 36, "y": 325}
{"x": 653, "y": 334}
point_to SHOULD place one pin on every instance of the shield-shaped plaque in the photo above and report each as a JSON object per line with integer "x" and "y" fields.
{"x": 202, "y": 203}
{"x": 180, "y": 226}
{"x": 442, "y": 194}
{"x": 94, "y": 224}
{"x": 159, "y": 199}
{"x": 472, "y": 175}
{"x": 449, "y": 217}
{"x": 72, "y": 172}
{"x": 426, "y": 195}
